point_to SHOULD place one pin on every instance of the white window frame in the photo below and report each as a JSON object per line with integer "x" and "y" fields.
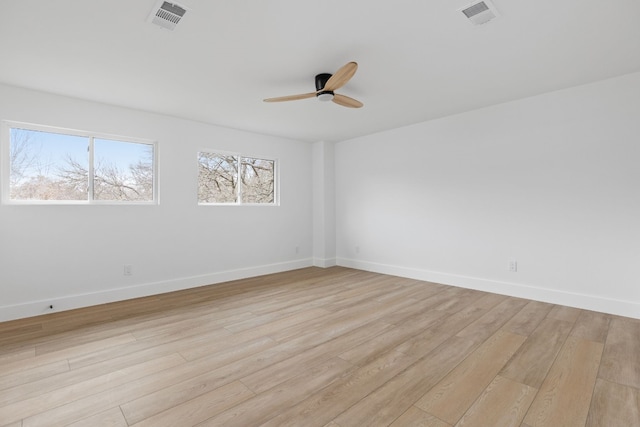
{"x": 5, "y": 167}
{"x": 276, "y": 178}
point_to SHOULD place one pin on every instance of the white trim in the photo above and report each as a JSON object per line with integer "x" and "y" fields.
{"x": 276, "y": 178}
{"x": 5, "y": 163}
{"x": 571, "y": 299}
{"x": 324, "y": 262}
{"x": 70, "y": 302}
{"x": 583, "y": 301}
{"x": 76, "y": 132}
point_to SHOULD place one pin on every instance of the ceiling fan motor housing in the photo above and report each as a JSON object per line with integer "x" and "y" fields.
{"x": 321, "y": 81}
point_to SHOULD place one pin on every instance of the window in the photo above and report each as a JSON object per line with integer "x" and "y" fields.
{"x": 53, "y": 165}
{"x": 235, "y": 179}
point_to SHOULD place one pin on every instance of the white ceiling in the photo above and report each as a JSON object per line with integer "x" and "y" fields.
{"x": 418, "y": 59}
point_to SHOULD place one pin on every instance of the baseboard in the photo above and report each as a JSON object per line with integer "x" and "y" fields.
{"x": 583, "y": 301}
{"x": 70, "y": 302}
{"x": 324, "y": 262}
{"x": 588, "y": 302}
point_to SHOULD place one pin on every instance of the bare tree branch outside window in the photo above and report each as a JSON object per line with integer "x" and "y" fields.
{"x": 52, "y": 166}
{"x": 129, "y": 180}
{"x": 226, "y": 178}
{"x": 257, "y": 180}
{"x": 23, "y": 155}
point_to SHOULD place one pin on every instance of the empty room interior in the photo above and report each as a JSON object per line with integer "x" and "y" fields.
{"x": 341, "y": 214}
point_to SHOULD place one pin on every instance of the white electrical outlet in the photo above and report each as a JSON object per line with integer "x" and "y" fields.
{"x": 128, "y": 270}
{"x": 513, "y": 265}
{"x": 357, "y": 249}
{"x": 297, "y": 249}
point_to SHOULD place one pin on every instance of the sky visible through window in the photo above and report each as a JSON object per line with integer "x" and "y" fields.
{"x": 55, "y": 166}
{"x": 55, "y": 149}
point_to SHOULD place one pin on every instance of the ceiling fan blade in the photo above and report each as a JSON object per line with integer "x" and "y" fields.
{"x": 291, "y": 97}
{"x": 341, "y": 77}
{"x": 345, "y": 101}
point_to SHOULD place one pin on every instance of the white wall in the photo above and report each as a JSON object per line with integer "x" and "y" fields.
{"x": 551, "y": 181}
{"x": 73, "y": 256}
{"x": 324, "y": 216}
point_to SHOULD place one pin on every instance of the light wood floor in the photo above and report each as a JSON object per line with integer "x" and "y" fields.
{"x": 322, "y": 347}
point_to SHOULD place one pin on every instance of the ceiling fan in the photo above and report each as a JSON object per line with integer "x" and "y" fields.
{"x": 326, "y": 85}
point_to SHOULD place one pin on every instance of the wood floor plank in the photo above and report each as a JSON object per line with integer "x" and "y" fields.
{"x": 324, "y": 405}
{"x": 621, "y": 358}
{"x": 56, "y": 356}
{"x": 414, "y": 417}
{"x": 592, "y": 326}
{"x": 299, "y": 363}
{"x": 333, "y": 347}
{"x": 391, "y": 400}
{"x": 16, "y": 328}
{"x": 201, "y": 408}
{"x": 562, "y": 312}
{"x": 368, "y": 288}
{"x": 29, "y": 375}
{"x": 19, "y": 354}
{"x": 393, "y": 337}
{"x": 126, "y": 393}
{"x": 422, "y": 343}
{"x": 614, "y": 405}
{"x": 272, "y": 402}
{"x": 318, "y": 336}
{"x": 218, "y": 321}
{"x": 339, "y": 319}
{"x": 75, "y": 338}
{"x": 423, "y": 290}
{"x": 355, "y": 297}
{"x": 342, "y": 320}
{"x": 199, "y": 382}
{"x": 17, "y": 332}
{"x": 156, "y": 343}
{"x": 460, "y": 320}
{"x": 199, "y": 326}
{"x": 110, "y": 418}
{"x": 174, "y": 388}
{"x": 489, "y": 301}
{"x": 454, "y": 299}
{"x": 233, "y": 343}
{"x": 533, "y": 360}
{"x": 220, "y": 356}
{"x": 405, "y": 310}
{"x": 493, "y": 320}
{"x": 292, "y": 320}
{"x": 504, "y": 403}
{"x": 40, "y": 405}
{"x": 455, "y": 393}
{"x": 528, "y": 319}
{"x": 565, "y": 395}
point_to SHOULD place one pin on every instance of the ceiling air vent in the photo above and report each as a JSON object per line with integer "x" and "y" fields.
{"x": 480, "y": 12}
{"x": 167, "y": 15}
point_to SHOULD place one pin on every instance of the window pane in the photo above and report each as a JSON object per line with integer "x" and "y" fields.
{"x": 47, "y": 166}
{"x": 123, "y": 171}
{"x": 217, "y": 178}
{"x": 257, "y": 180}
